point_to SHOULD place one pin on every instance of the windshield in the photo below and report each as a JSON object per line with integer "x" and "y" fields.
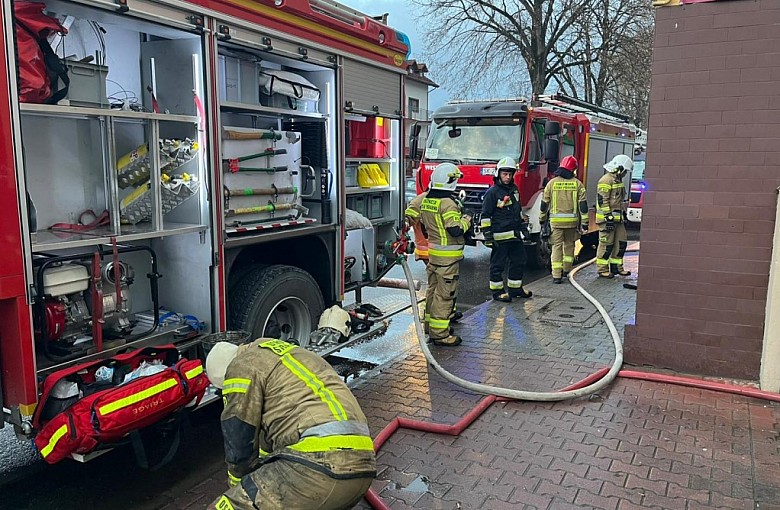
{"x": 472, "y": 141}
{"x": 638, "y": 172}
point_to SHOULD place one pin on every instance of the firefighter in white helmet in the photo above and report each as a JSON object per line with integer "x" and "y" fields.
{"x": 294, "y": 434}
{"x": 504, "y": 228}
{"x": 443, "y": 220}
{"x": 610, "y": 217}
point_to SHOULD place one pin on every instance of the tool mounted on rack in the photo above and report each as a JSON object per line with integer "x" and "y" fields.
{"x": 234, "y": 165}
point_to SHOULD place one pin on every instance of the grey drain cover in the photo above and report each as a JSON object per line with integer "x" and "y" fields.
{"x": 567, "y": 312}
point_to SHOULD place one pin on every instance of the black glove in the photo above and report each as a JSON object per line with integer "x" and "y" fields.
{"x": 488, "y": 238}
{"x": 610, "y": 222}
{"x": 546, "y": 229}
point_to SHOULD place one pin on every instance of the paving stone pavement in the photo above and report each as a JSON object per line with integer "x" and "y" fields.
{"x": 636, "y": 444}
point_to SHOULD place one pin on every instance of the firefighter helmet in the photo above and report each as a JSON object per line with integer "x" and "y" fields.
{"x": 336, "y": 318}
{"x": 569, "y": 163}
{"x": 445, "y": 176}
{"x": 506, "y": 164}
{"x": 218, "y": 360}
{"x": 619, "y": 163}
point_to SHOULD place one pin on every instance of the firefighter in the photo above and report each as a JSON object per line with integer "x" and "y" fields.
{"x": 439, "y": 213}
{"x": 421, "y": 253}
{"x": 565, "y": 205}
{"x": 504, "y": 228}
{"x": 295, "y": 436}
{"x": 610, "y": 213}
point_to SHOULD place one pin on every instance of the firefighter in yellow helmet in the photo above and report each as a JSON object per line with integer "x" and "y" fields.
{"x": 295, "y": 437}
{"x": 610, "y": 217}
{"x": 441, "y": 216}
{"x": 565, "y": 205}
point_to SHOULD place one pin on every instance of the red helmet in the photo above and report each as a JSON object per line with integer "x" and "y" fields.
{"x": 569, "y": 163}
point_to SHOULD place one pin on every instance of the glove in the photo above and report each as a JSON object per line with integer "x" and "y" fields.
{"x": 524, "y": 230}
{"x": 583, "y": 230}
{"x": 610, "y": 222}
{"x": 488, "y": 239}
{"x": 546, "y": 229}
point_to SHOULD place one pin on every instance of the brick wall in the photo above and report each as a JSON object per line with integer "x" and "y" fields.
{"x": 713, "y": 166}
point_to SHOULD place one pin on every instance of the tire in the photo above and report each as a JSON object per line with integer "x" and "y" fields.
{"x": 276, "y": 302}
{"x": 539, "y": 253}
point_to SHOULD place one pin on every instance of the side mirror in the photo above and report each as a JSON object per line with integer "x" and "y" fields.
{"x": 414, "y": 141}
{"x": 552, "y": 128}
{"x": 551, "y": 152}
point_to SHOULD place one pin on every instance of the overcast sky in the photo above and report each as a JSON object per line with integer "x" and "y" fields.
{"x": 403, "y": 18}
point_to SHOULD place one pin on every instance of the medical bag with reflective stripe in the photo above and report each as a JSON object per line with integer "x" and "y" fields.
{"x": 108, "y": 415}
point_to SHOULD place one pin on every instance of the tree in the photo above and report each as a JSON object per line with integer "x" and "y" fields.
{"x": 614, "y": 45}
{"x": 489, "y": 45}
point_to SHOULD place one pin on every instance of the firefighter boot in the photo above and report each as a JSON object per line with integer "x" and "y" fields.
{"x": 520, "y": 293}
{"x": 557, "y": 280}
{"x": 617, "y": 270}
{"x": 502, "y": 296}
{"x": 450, "y": 341}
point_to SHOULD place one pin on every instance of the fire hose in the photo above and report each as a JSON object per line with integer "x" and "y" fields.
{"x": 599, "y": 379}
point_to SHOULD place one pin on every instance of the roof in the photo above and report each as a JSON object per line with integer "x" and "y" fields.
{"x": 480, "y": 109}
{"x": 416, "y": 71}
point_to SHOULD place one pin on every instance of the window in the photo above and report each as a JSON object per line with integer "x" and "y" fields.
{"x": 414, "y": 105}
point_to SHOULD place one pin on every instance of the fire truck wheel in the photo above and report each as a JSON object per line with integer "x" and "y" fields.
{"x": 276, "y": 302}
{"x": 539, "y": 253}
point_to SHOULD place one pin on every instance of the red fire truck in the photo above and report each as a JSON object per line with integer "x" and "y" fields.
{"x": 476, "y": 134}
{"x": 192, "y": 178}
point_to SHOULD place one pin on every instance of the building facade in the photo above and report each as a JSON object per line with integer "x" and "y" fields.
{"x": 708, "y": 282}
{"x": 418, "y": 86}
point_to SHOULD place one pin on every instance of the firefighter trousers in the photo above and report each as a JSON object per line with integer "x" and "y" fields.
{"x": 612, "y": 247}
{"x": 440, "y": 298}
{"x": 562, "y": 258}
{"x": 287, "y": 485}
{"x": 503, "y": 253}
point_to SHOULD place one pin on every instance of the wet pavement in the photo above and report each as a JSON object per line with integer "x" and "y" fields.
{"x": 635, "y": 444}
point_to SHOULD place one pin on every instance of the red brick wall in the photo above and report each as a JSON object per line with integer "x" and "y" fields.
{"x": 713, "y": 166}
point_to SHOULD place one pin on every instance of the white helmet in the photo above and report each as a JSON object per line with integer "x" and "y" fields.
{"x": 336, "y": 318}
{"x": 445, "y": 176}
{"x": 506, "y": 164}
{"x": 619, "y": 163}
{"x": 218, "y": 360}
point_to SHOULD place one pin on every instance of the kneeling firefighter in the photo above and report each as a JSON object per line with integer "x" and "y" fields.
{"x": 610, "y": 215}
{"x": 289, "y": 402}
{"x": 565, "y": 204}
{"x": 504, "y": 229}
{"x": 441, "y": 216}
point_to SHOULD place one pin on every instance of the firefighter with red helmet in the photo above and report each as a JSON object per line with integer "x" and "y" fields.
{"x": 504, "y": 228}
{"x": 565, "y": 205}
{"x": 610, "y": 215}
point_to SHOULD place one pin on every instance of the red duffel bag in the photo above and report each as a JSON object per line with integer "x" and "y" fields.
{"x": 40, "y": 69}
{"x": 113, "y": 411}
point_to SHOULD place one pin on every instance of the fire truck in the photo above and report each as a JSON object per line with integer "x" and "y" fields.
{"x": 193, "y": 179}
{"x": 476, "y": 134}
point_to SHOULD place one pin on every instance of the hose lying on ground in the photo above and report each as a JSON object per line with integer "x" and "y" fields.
{"x": 590, "y": 384}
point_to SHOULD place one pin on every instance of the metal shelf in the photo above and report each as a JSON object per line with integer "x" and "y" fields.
{"x": 77, "y": 111}
{"x": 382, "y": 221}
{"x": 229, "y": 106}
{"x": 47, "y": 240}
{"x": 370, "y": 160}
{"x": 357, "y": 191}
